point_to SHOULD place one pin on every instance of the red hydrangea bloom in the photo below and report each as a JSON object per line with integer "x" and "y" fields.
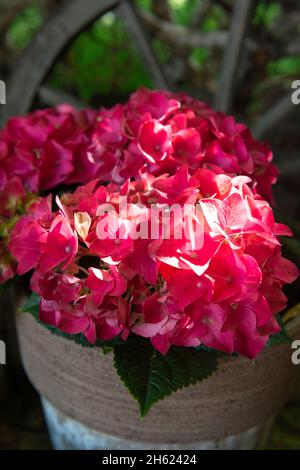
{"x": 12, "y": 196}
{"x": 43, "y": 240}
{"x": 216, "y": 279}
{"x": 220, "y": 287}
{"x": 102, "y": 282}
{"x": 154, "y": 140}
{"x": 154, "y": 130}
{"x": 39, "y": 146}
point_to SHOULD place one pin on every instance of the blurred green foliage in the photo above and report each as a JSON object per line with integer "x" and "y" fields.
{"x": 285, "y": 66}
{"x": 24, "y": 26}
{"x": 98, "y": 63}
{"x": 103, "y": 61}
{"x": 117, "y": 69}
{"x": 266, "y": 13}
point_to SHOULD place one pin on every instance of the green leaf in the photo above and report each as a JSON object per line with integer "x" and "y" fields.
{"x": 149, "y": 376}
{"x": 217, "y": 352}
{"x": 280, "y": 338}
{"x": 31, "y": 305}
{"x": 23, "y": 27}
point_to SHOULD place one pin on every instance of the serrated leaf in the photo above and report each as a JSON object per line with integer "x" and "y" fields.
{"x": 217, "y": 352}
{"x": 149, "y": 376}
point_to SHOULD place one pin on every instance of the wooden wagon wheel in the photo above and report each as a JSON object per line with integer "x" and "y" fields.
{"x": 74, "y": 16}
{"x": 26, "y": 81}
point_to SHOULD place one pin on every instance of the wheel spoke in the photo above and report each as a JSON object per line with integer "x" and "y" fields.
{"x": 133, "y": 25}
{"x": 240, "y": 21}
{"x": 70, "y": 19}
{"x": 273, "y": 116}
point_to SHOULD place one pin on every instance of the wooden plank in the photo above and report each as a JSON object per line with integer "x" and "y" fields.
{"x": 239, "y": 23}
{"x": 70, "y": 19}
{"x": 131, "y": 19}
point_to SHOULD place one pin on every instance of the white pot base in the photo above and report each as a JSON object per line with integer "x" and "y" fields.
{"x": 68, "y": 434}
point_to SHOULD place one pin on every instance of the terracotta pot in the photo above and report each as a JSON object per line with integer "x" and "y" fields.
{"x": 83, "y": 395}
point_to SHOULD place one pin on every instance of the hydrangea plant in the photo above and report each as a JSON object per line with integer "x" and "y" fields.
{"x": 166, "y": 251}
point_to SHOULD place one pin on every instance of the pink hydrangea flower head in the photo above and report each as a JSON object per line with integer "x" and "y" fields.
{"x": 212, "y": 274}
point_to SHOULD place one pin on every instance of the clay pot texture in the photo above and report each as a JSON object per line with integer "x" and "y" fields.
{"x": 83, "y": 384}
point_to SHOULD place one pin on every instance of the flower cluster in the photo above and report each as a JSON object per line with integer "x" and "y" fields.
{"x": 211, "y": 275}
{"x": 155, "y": 132}
{"x": 218, "y": 284}
{"x": 37, "y": 153}
{"x": 43, "y": 148}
